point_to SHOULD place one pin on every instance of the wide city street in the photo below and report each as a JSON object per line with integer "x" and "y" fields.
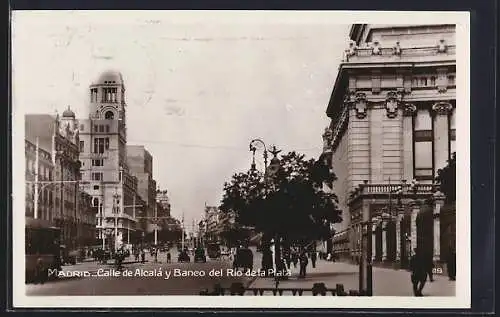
{"x": 166, "y": 284}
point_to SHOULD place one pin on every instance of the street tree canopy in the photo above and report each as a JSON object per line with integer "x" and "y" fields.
{"x": 293, "y": 202}
{"x": 447, "y": 179}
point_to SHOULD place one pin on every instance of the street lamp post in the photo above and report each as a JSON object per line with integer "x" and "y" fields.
{"x": 115, "y": 213}
{"x": 268, "y": 170}
{"x": 254, "y": 144}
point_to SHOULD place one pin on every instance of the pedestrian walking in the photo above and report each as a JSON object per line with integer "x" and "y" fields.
{"x": 40, "y": 272}
{"x": 430, "y": 267}
{"x": 452, "y": 264}
{"x": 295, "y": 259}
{"x": 418, "y": 267}
{"x": 136, "y": 254}
{"x": 313, "y": 259}
{"x": 169, "y": 257}
{"x": 303, "y": 264}
{"x": 143, "y": 256}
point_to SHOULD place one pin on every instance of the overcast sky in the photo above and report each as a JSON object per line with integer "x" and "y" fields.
{"x": 199, "y": 86}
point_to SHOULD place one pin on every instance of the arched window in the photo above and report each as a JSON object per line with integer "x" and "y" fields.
{"x": 109, "y": 115}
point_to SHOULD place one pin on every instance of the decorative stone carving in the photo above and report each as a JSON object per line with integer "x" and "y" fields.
{"x": 442, "y": 48}
{"x": 351, "y": 51}
{"x": 409, "y": 109}
{"x": 327, "y": 138}
{"x": 360, "y": 105}
{"x": 376, "y": 48}
{"x": 442, "y": 108}
{"x": 391, "y": 104}
{"x": 397, "y": 49}
{"x": 442, "y": 80}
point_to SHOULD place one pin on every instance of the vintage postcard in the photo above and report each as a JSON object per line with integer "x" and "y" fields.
{"x": 255, "y": 156}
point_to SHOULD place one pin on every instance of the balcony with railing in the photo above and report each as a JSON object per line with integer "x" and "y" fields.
{"x": 383, "y": 190}
{"x": 376, "y": 53}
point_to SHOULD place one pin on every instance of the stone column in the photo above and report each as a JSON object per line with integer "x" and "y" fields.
{"x": 413, "y": 225}
{"x": 441, "y": 144}
{"x": 438, "y": 203}
{"x": 383, "y": 227}
{"x": 374, "y": 242}
{"x": 409, "y": 111}
{"x": 398, "y": 238}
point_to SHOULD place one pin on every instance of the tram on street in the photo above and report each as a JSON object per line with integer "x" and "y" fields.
{"x": 42, "y": 249}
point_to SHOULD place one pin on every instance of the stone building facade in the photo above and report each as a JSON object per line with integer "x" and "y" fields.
{"x": 61, "y": 183}
{"x": 140, "y": 163}
{"x": 45, "y": 174}
{"x": 392, "y": 128}
{"x": 103, "y": 140}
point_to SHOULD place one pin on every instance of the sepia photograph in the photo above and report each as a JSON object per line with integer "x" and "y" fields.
{"x": 250, "y": 155}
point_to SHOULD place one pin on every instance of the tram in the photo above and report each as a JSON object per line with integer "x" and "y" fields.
{"x": 42, "y": 247}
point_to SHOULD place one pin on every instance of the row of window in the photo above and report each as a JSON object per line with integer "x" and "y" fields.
{"x": 108, "y": 95}
{"x": 101, "y": 144}
{"x": 423, "y": 139}
{"x": 101, "y": 128}
{"x": 429, "y": 81}
{"x": 44, "y": 172}
{"x": 30, "y": 147}
{"x": 97, "y": 162}
{"x": 97, "y": 176}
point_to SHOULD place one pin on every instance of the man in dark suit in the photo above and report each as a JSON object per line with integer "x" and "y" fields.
{"x": 419, "y": 269}
{"x": 430, "y": 267}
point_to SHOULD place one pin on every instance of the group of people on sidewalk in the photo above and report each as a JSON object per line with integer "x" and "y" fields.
{"x": 300, "y": 258}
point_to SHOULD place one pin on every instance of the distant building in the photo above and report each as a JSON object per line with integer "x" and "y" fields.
{"x": 164, "y": 201}
{"x": 211, "y": 219}
{"x": 392, "y": 113}
{"x": 140, "y": 163}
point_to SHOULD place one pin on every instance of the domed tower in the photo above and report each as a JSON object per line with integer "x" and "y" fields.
{"x": 68, "y": 125}
{"x": 107, "y": 97}
{"x": 107, "y": 114}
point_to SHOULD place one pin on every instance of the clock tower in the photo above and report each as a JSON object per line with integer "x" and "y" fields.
{"x": 103, "y": 148}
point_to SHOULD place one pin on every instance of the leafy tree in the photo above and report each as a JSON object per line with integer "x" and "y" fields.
{"x": 447, "y": 179}
{"x": 291, "y": 205}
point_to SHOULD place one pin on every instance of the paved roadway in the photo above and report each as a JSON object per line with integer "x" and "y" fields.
{"x": 140, "y": 285}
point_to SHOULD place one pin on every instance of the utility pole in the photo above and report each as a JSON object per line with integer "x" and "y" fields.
{"x": 103, "y": 231}
{"x": 156, "y": 225}
{"x": 133, "y": 213}
{"x": 182, "y": 229}
{"x": 35, "y": 211}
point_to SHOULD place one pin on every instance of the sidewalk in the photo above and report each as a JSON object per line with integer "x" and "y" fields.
{"x": 386, "y": 282}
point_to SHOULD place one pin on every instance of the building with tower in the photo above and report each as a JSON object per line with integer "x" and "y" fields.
{"x": 103, "y": 154}
{"x": 392, "y": 112}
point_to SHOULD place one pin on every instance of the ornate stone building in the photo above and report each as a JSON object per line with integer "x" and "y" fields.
{"x": 45, "y": 174}
{"x": 392, "y": 128}
{"x": 103, "y": 139}
{"x": 60, "y": 183}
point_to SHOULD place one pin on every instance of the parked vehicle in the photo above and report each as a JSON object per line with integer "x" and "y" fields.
{"x": 243, "y": 259}
{"x": 199, "y": 255}
{"x": 68, "y": 256}
{"x": 42, "y": 250}
{"x": 183, "y": 257}
{"x": 213, "y": 250}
